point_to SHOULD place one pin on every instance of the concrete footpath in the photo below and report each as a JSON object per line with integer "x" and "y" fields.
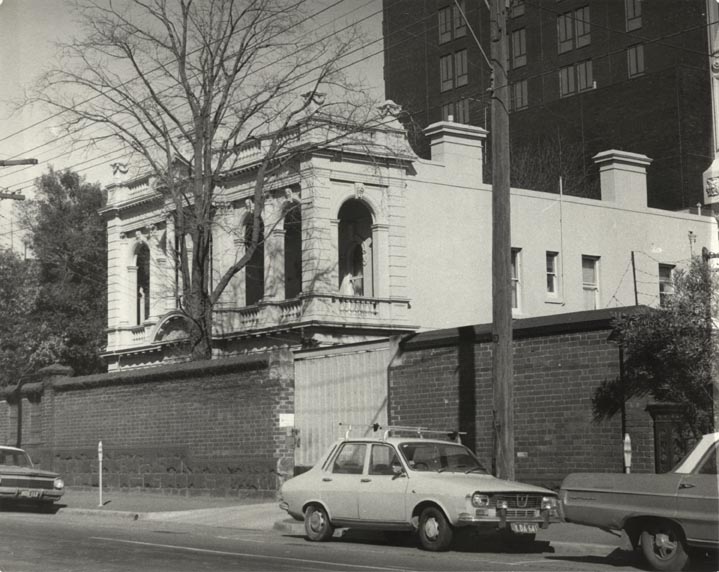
{"x": 261, "y": 515}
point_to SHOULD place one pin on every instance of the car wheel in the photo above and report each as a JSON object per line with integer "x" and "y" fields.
{"x": 435, "y": 533}
{"x": 317, "y": 524}
{"x": 663, "y": 547}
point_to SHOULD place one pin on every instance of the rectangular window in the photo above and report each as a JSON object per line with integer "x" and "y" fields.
{"x": 460, "y": 68}
{"x": 517, "y": 8}
{"x": 666, "y": 284}
{"x": 573, "y": 30}
{"x": 462, "y": 111}
{"x": 519, "y": 48}
{"x": 565, "y": 32}
{"x": 518, "y": 95}
{"x": 448, "y": 112}
{"x": 581, "y": 27}
{"x": 460, "y": 26}
{"x": 445, "y": 25}
{"x": 445, "y": 72}
{"x": 584, "y": 75}
{"x": 590, "y": 282}
{"x": 635, "y": 60}
{"x": 516, "y": 276}
{"x": 566, "y": 81}
{"x": 552, "y": 274}
{"x": 633, "y": 10}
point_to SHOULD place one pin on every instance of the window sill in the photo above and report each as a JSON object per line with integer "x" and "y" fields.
{"x": 558, "y": 301}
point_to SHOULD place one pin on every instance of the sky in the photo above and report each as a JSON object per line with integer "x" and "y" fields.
{"x": 29, "y": 30}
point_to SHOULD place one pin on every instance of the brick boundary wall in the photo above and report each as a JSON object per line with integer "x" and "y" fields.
{"x": 443, "y": 379}
{"x": 194, "y": 428}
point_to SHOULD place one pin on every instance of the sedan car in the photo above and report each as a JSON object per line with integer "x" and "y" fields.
{"x": 666, "y": 515}
{"x": 20, "y": 481}
{"x": 432, "y": 486}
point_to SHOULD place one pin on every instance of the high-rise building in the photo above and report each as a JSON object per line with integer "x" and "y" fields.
{"x": 585, "y": 76}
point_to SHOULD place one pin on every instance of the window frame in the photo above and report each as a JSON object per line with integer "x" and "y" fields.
{"x": 461, "y": 111}
{"x": 633, "y": 14}
{"x": 591, "y": 286}
{"x": 460, "y": 68}
{"x": 516, "y": 278}
{"x": 519, "y": 48}
{"x": 446, "y": 72}
{"x": 445, "y": 25}
{"x": 574, "y": 29}
{"x": 519, "y": 88}
{"x": 552, "y": 274}
{"x": 665, "y": 283}
{"x": 338, "y": 453}
{"x": 588, "y": 84}
{"x": 582, "y": 27}
{"x": 635, "y": 61}
{"x": 568, "y": 87}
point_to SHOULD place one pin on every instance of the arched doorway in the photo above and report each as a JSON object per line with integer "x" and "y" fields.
{"x": 255, "y": 269}
{"x": 293, "y": 251}
{"x": 142, "y": 288}
{"x": 355, "y": 249}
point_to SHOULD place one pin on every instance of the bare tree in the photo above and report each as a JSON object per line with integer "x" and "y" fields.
{"x": 184, "y": 85}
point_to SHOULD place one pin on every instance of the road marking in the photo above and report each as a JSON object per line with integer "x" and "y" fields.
{"x": 244, "y": 554}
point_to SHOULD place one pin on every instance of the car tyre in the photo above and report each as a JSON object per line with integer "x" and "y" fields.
{"x": 435, "y": 532}
{"x": 317, "y": 524}
{"x": 663, "y": 547}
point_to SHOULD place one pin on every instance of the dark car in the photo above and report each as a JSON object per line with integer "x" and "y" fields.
{"x": 667, "y": 515}
{"x": 20, "y": 481}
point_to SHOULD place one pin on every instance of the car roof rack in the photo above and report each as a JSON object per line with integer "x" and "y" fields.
{"x": 421, "y": 432}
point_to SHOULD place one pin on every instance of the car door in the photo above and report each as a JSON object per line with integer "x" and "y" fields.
{"x": 698, "y": 501}
{"x": 382, "y": 491}
{"x": 341, "y": 481}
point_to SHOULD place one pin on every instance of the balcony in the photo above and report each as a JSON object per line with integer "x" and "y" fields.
{"x": 327, "y": 309}
{"x": 330, "y": 310}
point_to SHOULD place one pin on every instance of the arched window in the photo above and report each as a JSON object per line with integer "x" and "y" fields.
{"x": 255, "y": 269}
{"x": 293, "y": 251}
{"x": 142, "y": 293}
{"x": 355, "y": 249}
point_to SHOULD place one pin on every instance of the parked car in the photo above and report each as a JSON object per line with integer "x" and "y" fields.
{"x": 413, "y": 483}
{"x": 665, "y": 514}
{"x": 20, "y": 481}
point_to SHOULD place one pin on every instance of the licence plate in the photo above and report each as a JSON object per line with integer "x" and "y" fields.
{"x": 29, "y": 494}
{"x": 524, "y": 527}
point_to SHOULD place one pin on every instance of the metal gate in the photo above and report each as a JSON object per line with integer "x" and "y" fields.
{"x": 346, "y": 386}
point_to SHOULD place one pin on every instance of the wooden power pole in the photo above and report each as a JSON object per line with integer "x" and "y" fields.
{"x": 502, "y": 369}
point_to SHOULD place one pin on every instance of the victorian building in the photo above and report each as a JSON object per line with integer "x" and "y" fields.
{"x": 365, "y": 241}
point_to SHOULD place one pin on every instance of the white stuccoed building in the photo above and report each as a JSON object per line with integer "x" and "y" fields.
{"x": 364, "y": 242}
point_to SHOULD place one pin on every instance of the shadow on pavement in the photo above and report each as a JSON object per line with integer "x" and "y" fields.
{"x": 20, "y": 506}
{"x": 623, "y": 558}
{"x": 464, "y": 541}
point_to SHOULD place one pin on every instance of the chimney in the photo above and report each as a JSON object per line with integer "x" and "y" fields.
{"x": 458, "y": 146}
{"x": 623, "y": 177}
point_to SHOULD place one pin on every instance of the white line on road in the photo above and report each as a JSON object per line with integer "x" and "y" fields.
{"x": 244, "y": 554}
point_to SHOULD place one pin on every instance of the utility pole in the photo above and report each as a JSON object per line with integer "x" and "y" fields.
{"x": 502, "y": 367}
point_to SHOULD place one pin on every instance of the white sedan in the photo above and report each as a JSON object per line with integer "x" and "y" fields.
{"x": 431, "y": 486}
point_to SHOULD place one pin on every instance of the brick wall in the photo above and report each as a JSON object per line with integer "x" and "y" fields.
{"x": 197, "y": 428}
{"x": 444, "y": 380}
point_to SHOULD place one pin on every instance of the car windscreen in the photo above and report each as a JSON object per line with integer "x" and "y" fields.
{"x": 440, "y": 457}
{"x": 14, "y": 458}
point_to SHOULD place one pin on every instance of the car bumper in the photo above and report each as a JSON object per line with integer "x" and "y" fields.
{"x": 503, "y": 518}
{"x": 12, "y": 493}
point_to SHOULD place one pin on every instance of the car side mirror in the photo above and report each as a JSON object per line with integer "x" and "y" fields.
{"x": 398, "y": 471}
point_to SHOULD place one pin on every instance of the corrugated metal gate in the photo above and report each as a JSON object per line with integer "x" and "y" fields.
{"x": 345, "y": 385}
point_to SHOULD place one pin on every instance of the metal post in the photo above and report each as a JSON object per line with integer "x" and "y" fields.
{"x": 99, "y": 465}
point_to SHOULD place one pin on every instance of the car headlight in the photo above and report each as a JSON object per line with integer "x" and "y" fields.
{"x": 549, "y": 503}
{"x": 480, "y": 500}
{"x": 59, "y": 483}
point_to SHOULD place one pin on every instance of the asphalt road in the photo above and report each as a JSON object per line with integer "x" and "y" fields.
{"x": 58, "y": 543}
